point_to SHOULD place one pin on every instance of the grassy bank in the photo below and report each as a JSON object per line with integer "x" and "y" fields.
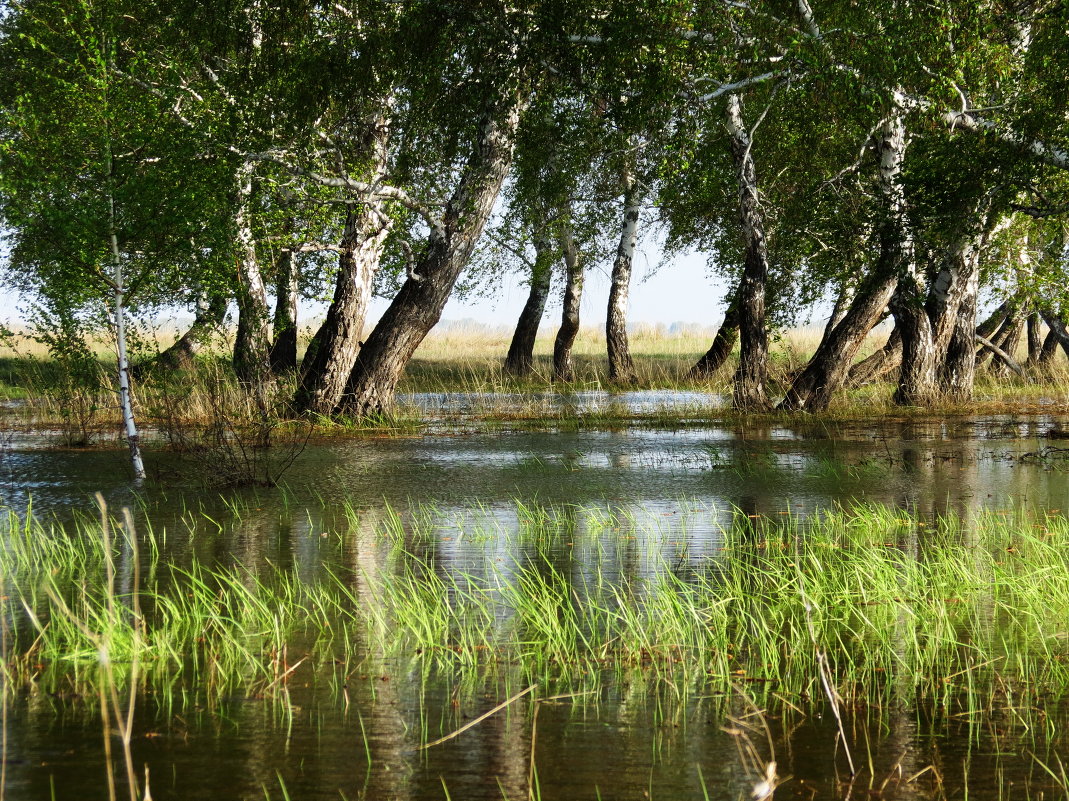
{"x": 77, "y": 399}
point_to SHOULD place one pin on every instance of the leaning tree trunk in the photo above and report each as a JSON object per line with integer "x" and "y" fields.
{"x": 1006, "y": 337}
{"x": 520, "y": 358}
{"x": 752, "y": 372}
{"x": 1058, "y": 330}
{"x": 1009, "y": 343}
{"x": 284, "y": 348}
{"x": 838, "y": 311}
{"x": 252, "y": 343}
{"x": 879, "y": 363}
{"x": 621, "y": 365}
{"x": 334, "y": 348}
{"x": 211, "y": 311}
{"x": 829, "y": 367}
{"x": 419, "y": 303}
{"x": 724, "y": 340}
{"x": 563, "y": 368}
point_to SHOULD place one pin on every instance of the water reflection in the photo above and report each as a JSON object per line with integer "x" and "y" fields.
{"x": 623, "y": 506}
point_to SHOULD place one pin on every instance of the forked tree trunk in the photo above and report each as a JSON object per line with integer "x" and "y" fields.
{"x": 334, "y": 348}
{"x": 519, "y": 361}
{"x": 419, "y": 303}
{"x": 211, "y": 311}
{"x": 749, "y": 385}
{"x": 284, "y": 348}
{"x": 252, "y": 343}
{"x": 563, "y": 368}
{"x": 621, "y": 365}
{"x": 724, "y": 340}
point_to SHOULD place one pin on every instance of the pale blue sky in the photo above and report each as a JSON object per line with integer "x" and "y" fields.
{"x": 681, "y": 291}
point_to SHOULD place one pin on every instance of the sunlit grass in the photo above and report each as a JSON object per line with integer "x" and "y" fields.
{"x": 950, "y": 614}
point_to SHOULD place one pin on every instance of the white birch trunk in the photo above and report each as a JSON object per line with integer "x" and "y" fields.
{"x": 749, "y": 383}
{"x": 119, "y": 311}
{"x": 621, "y": 365}
{"x": 252, "y": 346}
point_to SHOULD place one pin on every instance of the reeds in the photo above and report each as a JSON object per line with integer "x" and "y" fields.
{"x": 865, "y": 599}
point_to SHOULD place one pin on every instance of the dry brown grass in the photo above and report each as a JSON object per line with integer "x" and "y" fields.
{"x": 468, "y": 359}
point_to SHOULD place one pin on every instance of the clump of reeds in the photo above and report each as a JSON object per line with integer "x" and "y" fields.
{"x": 894, "y": 610}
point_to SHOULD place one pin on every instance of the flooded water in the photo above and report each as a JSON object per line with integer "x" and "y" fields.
{"x": 668, "y": 494}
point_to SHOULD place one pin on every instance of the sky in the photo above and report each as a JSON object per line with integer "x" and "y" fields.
{"x": 681, "y": 291}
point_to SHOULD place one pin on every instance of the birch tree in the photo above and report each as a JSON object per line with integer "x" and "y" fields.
{"x": 95, "y": 190}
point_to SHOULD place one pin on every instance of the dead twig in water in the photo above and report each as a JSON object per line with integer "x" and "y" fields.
{"x": 480, "y": 719}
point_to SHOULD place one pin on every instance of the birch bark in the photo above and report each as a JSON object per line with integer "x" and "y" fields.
{"x": 621, "y": 365}
{"x": 133, "y": 438}
{"x": 563, "y": 367}
{"x": 284, "y": 349}
{"x": 752, "y": 372}
{"x": 252, "y": 343}
{"x": 519, "y": 361}
{"x": 419, "y": 303}
{"x": 335, "y": 347}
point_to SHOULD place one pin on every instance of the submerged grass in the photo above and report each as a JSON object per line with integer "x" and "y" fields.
{"x": 953, "y": 615}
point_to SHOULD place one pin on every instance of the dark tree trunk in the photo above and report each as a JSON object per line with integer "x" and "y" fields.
{"x": 252, "y": 342}
{"x": 1008, "y": 339}
{"x": 1049, "y": 350}
{"x": 419, "y": 303}
{"x": 994, "y": 321}
{"x": 334, "y": 348}
{"x": 1035, "y": 339}
{"x": 726, "y": 337}
{"x": 998, "y": 334}
{"x": 520, "y": 358}
{"x": 333, "y": 351}
{"x": 211, "y": 311}
{"x": 879, "y": 364}
{"x": 284, "y": 348}
{"x": 621, "y": 365}
{"x": 1058, "y": 330}
{"x": 563, "y": 369}
{"x": 1005, "y": 358}
{"x": 827, "y": 370}
{"x": 752, "y": 372}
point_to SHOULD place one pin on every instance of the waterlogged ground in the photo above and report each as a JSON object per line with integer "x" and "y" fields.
{"x": 604, "y": 508}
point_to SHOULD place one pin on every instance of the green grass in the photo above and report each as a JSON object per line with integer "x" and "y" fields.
{"x": 952, "y": 615}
